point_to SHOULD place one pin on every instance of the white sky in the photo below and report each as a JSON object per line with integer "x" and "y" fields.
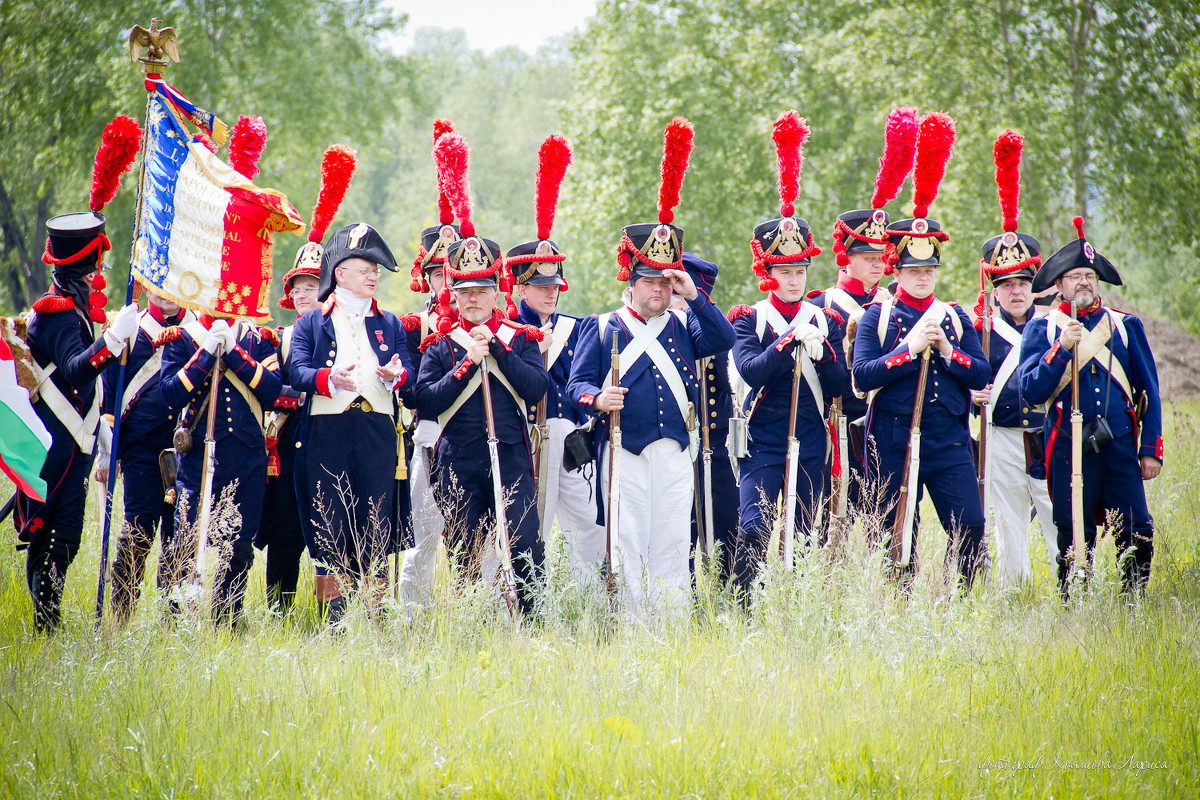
{"x": 492, "y": 24}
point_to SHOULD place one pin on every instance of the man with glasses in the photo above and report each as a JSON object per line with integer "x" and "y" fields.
{"x": 352, "y": 360}
{"x": 1119, "y": 401}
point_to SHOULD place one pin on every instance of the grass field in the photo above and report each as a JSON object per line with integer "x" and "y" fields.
{"x": 833, "y": 686}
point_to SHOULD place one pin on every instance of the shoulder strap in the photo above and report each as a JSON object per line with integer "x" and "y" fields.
{"x": 885, "y": 314}
{"x": 559, "y": 338}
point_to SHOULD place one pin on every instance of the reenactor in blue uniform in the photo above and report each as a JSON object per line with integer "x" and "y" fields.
{"x": 537, "y": 268}
{"x": 449, "y": 390}
{"x": 147, "y": 429}
{"x": 351, "y": 358}
{"x": 1012, "y": 446}
{"x": 889, "y": 348}
{"x": 859, "y": 238}
{"x": 69, "y": 356}
{"x": 656, "y": 393}
{"x": 1119, "y": 400}
{"x": 776, "y": 338}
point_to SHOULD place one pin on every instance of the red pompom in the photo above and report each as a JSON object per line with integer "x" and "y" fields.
{"x": 935, "y": 141}
{"x": 1006, "y": 152}
{"x": 99, "y": 283}
{"x": 98, "y": 299}
{"x": 899, "y": 147}
{"x": 445, "y": 212}
{"x": 554, "y": 157}
{"x": 337, "y": 169}
{"x": 790, "y": 133}
{"x": 624, "y": 260}
{"x": 444, "y": 324}
{"x": 678, "y": 140}
{"x": 768, "y": 284}
{"x": 118, "y": 148}
{"x": 451, "y": 155}
{"x": 842, "y": 259}
{"x": 623, "y": 274}
{"x": 246, "y": 143}
{"x": 96, "y": 314}
{"x": 1077, "y": 221}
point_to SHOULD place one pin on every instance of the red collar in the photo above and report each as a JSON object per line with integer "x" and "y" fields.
{"x": 1066, "y": 308}
{"x": 161, "y": 318}
{"x": 783, "y": 307}
{"x": 853, "y": 285}
{"x": 493, "y": 323}
{"x": 909, "y": 300}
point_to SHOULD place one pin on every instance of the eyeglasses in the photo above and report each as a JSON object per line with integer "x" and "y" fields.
{"x": 1079, "y": 277}
{"x": 363, "y": 271}
{"x": 302, "y": 291}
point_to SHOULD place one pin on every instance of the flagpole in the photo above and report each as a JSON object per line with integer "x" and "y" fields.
{"x": 151, "y": 67}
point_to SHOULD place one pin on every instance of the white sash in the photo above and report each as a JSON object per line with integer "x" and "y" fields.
{"x": 1093, "y": 343}
{"x": 766, "y": 314}
{"x": 1011, "y": 361}
{"x": 81, "y": 428}
{"x": 151, "y": 327}
{"x": 505, "y": 334}
{"x": 558, "y": 339}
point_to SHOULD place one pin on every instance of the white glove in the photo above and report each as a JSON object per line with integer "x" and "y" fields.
{"x": 813, "y": 339}
{"x": 123, "y": 326}
{"x": 219, "y": 335}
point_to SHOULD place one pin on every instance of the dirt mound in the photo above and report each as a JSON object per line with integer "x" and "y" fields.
{"x": 1176, "y": 353}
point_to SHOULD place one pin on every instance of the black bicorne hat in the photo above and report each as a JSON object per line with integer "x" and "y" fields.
{"x": 1074, "y": 255}
{"x": 357, "y": 240}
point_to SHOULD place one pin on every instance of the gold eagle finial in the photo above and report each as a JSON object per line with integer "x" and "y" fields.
{"x": 158, "y": 42}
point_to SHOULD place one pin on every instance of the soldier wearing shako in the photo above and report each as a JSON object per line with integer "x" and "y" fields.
{"x": 537, "y": 269}
{"x": 913, "y": 336}
{"x": 859, "y": 239}
{"x": 1119, "y": 400}
{"x": 482, "y": 345}
{"x": 351, "y": 359}
{"x": 790, "y": 354}
{"x": 147, "y": 428}
{"x": 1013, "y": 423}
{"x": 656, "y": 392}
{"x": 68, "y": 355}
{"x": 429, "y": 278}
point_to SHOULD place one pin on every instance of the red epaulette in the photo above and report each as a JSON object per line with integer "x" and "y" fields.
{"x": 410, "y": 321}
{"x": 432, "y": 339}
{"x": 813, "y": 293}
{"x": 978, "y": 323}
{"x": 532, "y": 332}
{"x": 740, "y": 310}
{"x": 168, "y": 335}
{"x": 270, "y": 335}
{"x": 834, "y": 315}
{"x": 53, "y": 304}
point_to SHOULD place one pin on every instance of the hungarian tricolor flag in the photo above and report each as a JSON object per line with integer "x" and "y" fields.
{"x": 24, "y": 440}
{"x": 204, "y": 231}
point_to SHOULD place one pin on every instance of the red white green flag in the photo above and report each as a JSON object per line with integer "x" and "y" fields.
{"x": 24, "y": 440}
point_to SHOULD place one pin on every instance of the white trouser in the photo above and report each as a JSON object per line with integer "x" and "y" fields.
{"x": 416, "y": 574}
{"x": 653, "y": 527}
{"x": 1011, "y": 492}
{"x": 571, "y": 498}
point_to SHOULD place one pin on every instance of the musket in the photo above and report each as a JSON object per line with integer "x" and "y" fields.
{"x": 206, "y": 483}
{"x": 985, "y": 410}
{"x": 541, "y": 464}
{"x": 503, "y": 545}
{"x": 787, "y": 542}
{"x": 614, "y": 477}
{"x": 1078, "y": 543}
{"x": 706, "y": 459}
{"x": 900, "y": 549}
{"x": 149, "y": 65}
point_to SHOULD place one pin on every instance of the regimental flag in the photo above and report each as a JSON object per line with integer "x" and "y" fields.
{"x": 24, "y": 440}
{"x": 204, "y": 231}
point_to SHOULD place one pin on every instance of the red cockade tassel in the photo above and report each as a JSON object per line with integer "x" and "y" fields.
{"x": 554, "y": 156}
{"x": 935, "y": 141}
{"x": 118, "y": 148}
{"x": 246, "y": 143}
{"x": 678, "y": 140}
{"x": 337, "y": 170}
{"x": 790, "y": 133}
{"x": 1006, "y": 152}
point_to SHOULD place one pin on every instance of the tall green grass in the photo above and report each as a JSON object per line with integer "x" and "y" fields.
{"x": 833, "y": 685}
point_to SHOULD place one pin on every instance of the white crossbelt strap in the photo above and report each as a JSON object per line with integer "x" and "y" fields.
{"x": 1093, "y": 343}
{"x": 645, "y": 342}
{"x": 505, "y": 334}
{"x": 151, "y": 327}
{"x": 766, "y": 314}
{"x": 81, "y": 428}
{"x": 937, "y": 311}
{"x": 1011, "y": 361}
{"x": 558, "y": 339}
{"x": 199, "y": 333}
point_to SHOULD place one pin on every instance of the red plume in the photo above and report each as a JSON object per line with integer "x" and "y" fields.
{"x": 1006, "y": 152}
{"x": 554, "y": 157}
{"x": 790, "y": 134}
{"x": 118, "y": 148}
{"x": 935, "y": 141}
{"x": 337, "y": 169}
{"x": 899, "y": 147}
{"x": 445, "y": 213}
{"x": 677, "y": 149}
{"x": 246, "y": 143}
{"x": 451, "y": 155}
{"x": 1077, "y": 221}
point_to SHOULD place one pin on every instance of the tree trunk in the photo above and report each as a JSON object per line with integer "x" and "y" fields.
{"x": 16, "y": 275}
